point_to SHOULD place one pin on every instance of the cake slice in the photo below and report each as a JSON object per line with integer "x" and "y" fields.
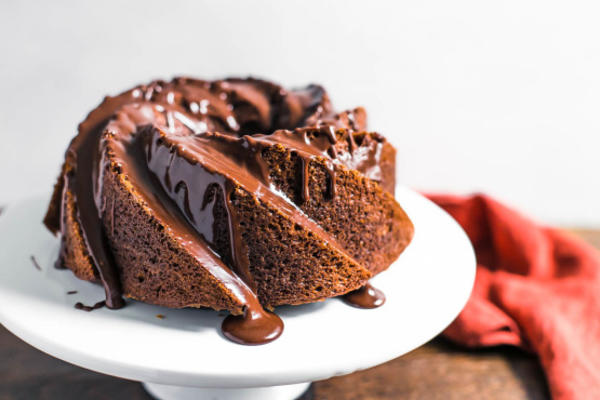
{"x": 217, "y": 183}
{"x": 362, "y": 214}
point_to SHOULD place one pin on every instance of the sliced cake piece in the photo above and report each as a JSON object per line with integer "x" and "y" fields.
{"x": 270, "y": 243}
{"x": 337, "y": 172}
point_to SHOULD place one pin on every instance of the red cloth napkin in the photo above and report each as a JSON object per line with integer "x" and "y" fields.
{"x": 537, "y": 288}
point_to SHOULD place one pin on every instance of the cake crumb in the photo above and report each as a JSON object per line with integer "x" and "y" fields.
{"x": 160, "y": 316}
{"x": 35, "y": 263}
{"x": 72, "y": 292}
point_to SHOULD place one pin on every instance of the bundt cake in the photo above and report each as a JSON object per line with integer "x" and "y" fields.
{"x": 234, "y": 194}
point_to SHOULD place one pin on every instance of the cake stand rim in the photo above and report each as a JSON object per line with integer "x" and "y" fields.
{"x": 183, "y": 378}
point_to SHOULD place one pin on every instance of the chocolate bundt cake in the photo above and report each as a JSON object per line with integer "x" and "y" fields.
{"x": 235, "y": 194}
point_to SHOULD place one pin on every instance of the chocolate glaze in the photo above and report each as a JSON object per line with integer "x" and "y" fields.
{"x": 162, "y": 136}
{"x": 81, "y": 183}
{"x": 365, "y": 297}
{"x": 83, "y": 307}
{"x": 252, "y": 328}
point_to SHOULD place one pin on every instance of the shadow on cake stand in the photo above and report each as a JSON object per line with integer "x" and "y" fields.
{"x": 181, "y": 354}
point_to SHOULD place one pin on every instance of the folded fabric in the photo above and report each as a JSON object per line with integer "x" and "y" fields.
{"x": 537, "y": 288}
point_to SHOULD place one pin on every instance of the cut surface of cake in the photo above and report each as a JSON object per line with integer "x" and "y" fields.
{"x": 235, "y": 195}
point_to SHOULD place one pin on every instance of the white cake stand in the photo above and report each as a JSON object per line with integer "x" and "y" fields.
{"x": 183, "y": 355}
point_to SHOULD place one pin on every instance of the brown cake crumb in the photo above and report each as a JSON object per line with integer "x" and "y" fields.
{"x": 35, "y": 263}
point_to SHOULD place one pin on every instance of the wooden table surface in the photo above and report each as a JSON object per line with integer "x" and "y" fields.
{"x": 438, "y": 370}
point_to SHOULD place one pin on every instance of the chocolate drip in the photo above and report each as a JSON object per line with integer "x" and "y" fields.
{"x": 160, "y": 136}
{"x": 58, "y": 264}
{"x": 239, "y": 252}
{"x": 304, "y": 177}
{"x": 89, "y": 216}
{"x": 81, "y": 177}
{"x": 365, "y": 297}
{"x": 256, "y": 326}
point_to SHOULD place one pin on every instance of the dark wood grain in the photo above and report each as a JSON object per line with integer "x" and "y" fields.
{"x": 438, "y": 370}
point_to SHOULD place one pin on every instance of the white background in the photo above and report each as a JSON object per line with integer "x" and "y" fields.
{"x": 495, "y": 96}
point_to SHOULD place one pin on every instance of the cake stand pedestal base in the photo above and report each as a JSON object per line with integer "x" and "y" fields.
{"x": 167, "y": 392}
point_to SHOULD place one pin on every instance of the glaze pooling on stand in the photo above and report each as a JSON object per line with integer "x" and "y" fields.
{"x": 255, "y": 326}
{"x": 186, "y": 144}
{"x": 365, "y": 297}
{"x": 83, "y": 307}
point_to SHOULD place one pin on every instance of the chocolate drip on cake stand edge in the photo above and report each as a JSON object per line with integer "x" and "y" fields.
{"x": 365, "y": 297}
